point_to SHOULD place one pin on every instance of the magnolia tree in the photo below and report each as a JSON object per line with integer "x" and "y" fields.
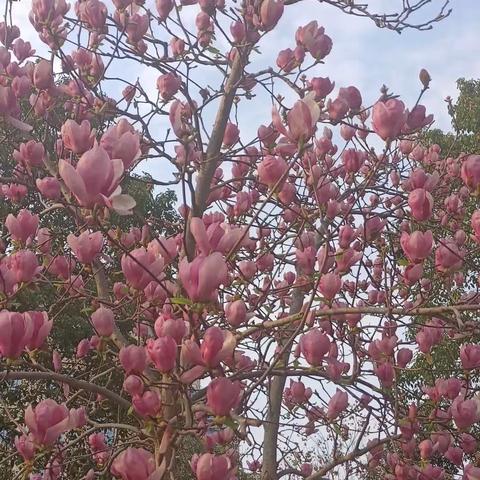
{"x": 300, "y": 281}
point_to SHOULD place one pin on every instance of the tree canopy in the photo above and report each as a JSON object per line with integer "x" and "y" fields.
{"x": 318, "y": 276}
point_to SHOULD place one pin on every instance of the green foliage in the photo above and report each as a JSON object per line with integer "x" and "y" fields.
{"x": 442, "y": 361}
{"x": 70, "y": 315}
{"x": 465, "y": 114}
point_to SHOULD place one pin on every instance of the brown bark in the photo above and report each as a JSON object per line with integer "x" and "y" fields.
{"x": 73, "y": 382}
{"x": 275, "y": 394}
{"x": 212, "y": 155}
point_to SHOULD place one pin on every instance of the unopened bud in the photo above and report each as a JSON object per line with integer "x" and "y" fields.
{"x": 424, "y": 77}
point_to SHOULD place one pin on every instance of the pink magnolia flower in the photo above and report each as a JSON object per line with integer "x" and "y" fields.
{"x": 177, "y": 45}
{"x": 43, "y": 75}
{"x": 238, "y": 31}
{"x": 337, "y": 109}
{"x": 448, "y": 257}
{"x": 388, "y": 118}
{"x": 231, "y": 134}
{"x": 329, "y": 285}
{"x": 430, "y": 335}
{"x": 454, "y": 455}
{"x": 321, "y": 87}
{"x": 14, "y": 192}
{"x": 163, "y": 353}
{"x": 164, "y": 247}
{"x": 93, "y": 13}
{"x": 164, "y": 7}
{"x": 133, "y": 358}
{"x": 95, "y": 179}
{"x": 373, "y": 227}
{"x": 306, "y": 469}
{"x": 468, "y": 443}
{"x": 44, "y": 240}
{"x": 286, "y": 60}
{"x": 314, "y": 345}
{"x": 412, "y": 273}
{"x": 313, "y": 39}
{"x": 62, "y": 266}
{"x": 383, "y": 348}
{"x": 248, "y": 269}
{"x": 404, "y": 357}
{"x": 471, "y": 472}
{"x": 417, "y": 246}
{"x": 432, "y": 472}
{"x": 22, "y": 50}
{"x": 217, "y": 346}
{"x": 301, "y": 119}
{"x": 21, "y": 86}
{"x": 134, "y": 464}
{"x": 236, "y": 312}
{"x": 25, "y": 446}
{"x": 419, "y": 179}
{"x": 385, "y": 373}
{"x": 49, "y": 187}
{"x": 337, "y": 404}
{"x": 98, "y": 447}
{"x": 83, "y": 348}
{"x": 218, "y": 437}
{"x": 168, "y": 85}
{"x": 148, "y": 404}
{"x": 41, "y": 327}
{"x": 166, "y": 325}
{"x": 78, "y": 417}
{"x": 417, "y": 118}
{"x": 15, "y": 332}
{"x": 30, "y": 154}
{"x": 87, "y": 246}
{"x": 420, "y": 202}
{"x": 449, "y": 388}
{"x": 475, "y": 222}
{"x": 209, "y": 466}
{"x": 465, "y": 412}
{"x": 141, "y": 267}
{"x": 471, "y": 171}
{"x": 202, "y": 277}
{"x": 47, "y": 421}
{"x": 121, "y": 141}
{"x": 352, "y": 160}
{"x": 297, "y": 394}
{"x": 426, "y": 448}
{"x": 270, "y": 13}
{"x": 77, "y": 137}
{"x": 254, "y": 465}
{"x": 271, "y": 170}
{"x": 352, "y": 96}
{"x": 136, "y": 27}
{"x": 23, "y": 227}
{"x": 470, "y": 356}
{"x": 103, "y": 321}
{"x": 223, "y": 395}
{"x": 346, "y": 259}
{"x": 24, "y": 266}
{"x": 133, "y": 385}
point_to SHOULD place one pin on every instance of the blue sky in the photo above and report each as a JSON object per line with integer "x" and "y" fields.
{"x": 370, "y": 56}
{"x": 366, "y": 56}
{"x": 362, "y": 55}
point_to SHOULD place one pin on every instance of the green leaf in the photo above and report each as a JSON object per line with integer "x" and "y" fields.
{"x": 230, "y": 422}
{"x": 181, "y": 301}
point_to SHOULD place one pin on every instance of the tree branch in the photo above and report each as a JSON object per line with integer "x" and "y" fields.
{"x": 73, "y": 382}
{"x": 212, "y": 154}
